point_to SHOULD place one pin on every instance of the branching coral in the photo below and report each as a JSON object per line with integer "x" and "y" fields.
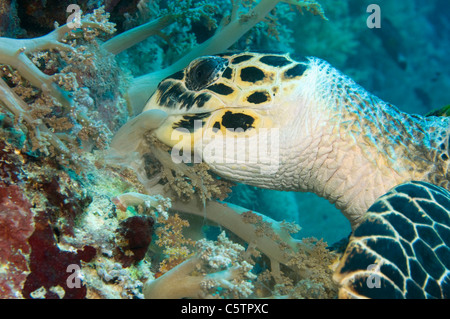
{"x": 21, "y": 110}
{"x": 126, "y": 40}
{"x": 15, "y": 52}
{"x": 177, "y": 247}
{"x": 217, "y": 265}
{"x": 45, "y": 84}
{"x": 306, "y": 264}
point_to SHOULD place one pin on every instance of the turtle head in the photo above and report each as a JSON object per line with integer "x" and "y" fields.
{"x": 232, "y": 111}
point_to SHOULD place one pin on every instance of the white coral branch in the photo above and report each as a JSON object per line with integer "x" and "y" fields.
{"x": 14, "y": 52}
{"x": 231, "y": 217}
{"x": 200, "y": 276}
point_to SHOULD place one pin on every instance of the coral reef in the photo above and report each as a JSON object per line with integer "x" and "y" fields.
{"x": 296, "y": 267}
{"x": 56, "y": 85}
{"x": 58, "y": 104}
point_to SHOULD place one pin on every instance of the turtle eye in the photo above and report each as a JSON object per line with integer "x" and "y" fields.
{"x": 204, "y": 71}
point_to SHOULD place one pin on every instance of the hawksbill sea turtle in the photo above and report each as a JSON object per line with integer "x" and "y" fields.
{"x": 387, "y": 171}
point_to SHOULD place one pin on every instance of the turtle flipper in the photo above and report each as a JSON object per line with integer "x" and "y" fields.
{"x": 401, "y": 249}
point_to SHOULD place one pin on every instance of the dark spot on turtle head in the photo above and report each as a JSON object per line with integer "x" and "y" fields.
{"x": 274, "y": 60}
{"x": 258, "y": 97}
{"x": 228, "y": 73}
{"x": 252, "y": 74}
{"x": 444, "y": 157}
{"x": 220, "y": 88}
{"x": 201, "y": 99}
{"x": 164, "y": 85}
{"x": 192, "y": 122}
{"x": 187, "y": 100}
{"x": 295, "y": 71}
{"x": 202, "y": 72}
{"x": 241, "y": 58}
{"x": 170, "y": 95}
{"x": 234, "y": 121}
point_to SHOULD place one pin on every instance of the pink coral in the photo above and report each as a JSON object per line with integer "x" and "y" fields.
{"x": 49, "y": 265}
{"x": 137, "y": 233}
{"x": 16, "y": 226}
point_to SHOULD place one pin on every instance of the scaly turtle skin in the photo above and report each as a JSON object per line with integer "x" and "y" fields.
{"x": 333, "y": 138}
{"x": 401, "y": 247}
